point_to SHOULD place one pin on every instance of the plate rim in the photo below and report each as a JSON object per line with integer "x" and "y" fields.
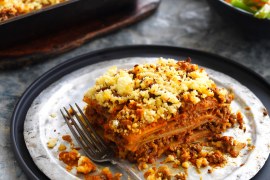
{"x": 62, "y": 69}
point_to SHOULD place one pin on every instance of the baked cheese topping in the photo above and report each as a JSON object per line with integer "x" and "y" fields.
{"x": 10, "y": 8}
{"x": 158, "y": 89}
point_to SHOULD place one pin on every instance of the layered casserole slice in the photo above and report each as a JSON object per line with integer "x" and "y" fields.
{"x": 154, "y": 108}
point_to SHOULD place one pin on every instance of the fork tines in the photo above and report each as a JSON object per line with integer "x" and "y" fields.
{"x": 84, "y": 132}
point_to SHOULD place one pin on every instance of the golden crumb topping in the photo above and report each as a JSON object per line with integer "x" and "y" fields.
{"x": 158, "y": 89}
{"x": 10, "y": 8}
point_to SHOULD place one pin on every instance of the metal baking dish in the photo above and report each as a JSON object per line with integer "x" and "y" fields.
{"x": 26, "y": 27}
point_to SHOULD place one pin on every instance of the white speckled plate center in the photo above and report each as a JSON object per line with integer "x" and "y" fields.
{"x": 44, "y": 121}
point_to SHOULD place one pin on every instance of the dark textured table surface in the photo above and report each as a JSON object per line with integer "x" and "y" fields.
{"x": 183, "y": 23}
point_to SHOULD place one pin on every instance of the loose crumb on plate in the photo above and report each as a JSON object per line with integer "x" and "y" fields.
{"x": 85, "y": 165}
{"x": 52, "y": 142}
{"x": 67, "y": 138}
{"x": 163, "y": 173}
{"x": 105, "y": 174}
{"x": 62, "y": 147}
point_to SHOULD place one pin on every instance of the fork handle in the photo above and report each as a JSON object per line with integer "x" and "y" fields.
{"x": 125, "y": 168}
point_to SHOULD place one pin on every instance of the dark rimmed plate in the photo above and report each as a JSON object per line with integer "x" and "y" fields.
{"x": 242, "y": 74}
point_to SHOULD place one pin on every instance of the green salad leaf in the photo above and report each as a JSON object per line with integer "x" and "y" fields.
{"x": 260, "y": 8}
{"x": 242, "y": 5}
{"x": 264, "y": 12}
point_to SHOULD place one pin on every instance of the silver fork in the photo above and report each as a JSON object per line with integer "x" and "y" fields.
{"x": 92, "y": 144}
